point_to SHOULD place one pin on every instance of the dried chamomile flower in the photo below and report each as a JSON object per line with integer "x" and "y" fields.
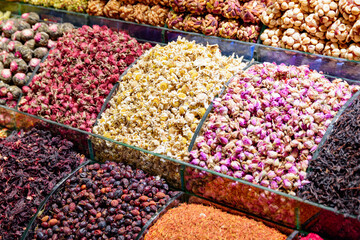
{"x": 111, "y": 9}
{"x": 353, "y": 52}
{"x": 291, "y": 39}
{"x": 175, "y": 20}
{"x": 293, "y": 18}
{"x": 251, "y": 11}
{"x": 350, "y": 9}
{"x": 163, "y": 97}
{"x": 308, "y": 5}
{"x": 210, "y": 25}
{"x": 336, "y": 50}
{"x": 231, "y": 9}
{"x": 311, "y": 44}
{"x": 271, "y": 17}
{"x": 314, "y": 27}
{"x": 228, "y": 29}
{"x": 96, "y": 7}
{"x": 193, "y": 23}
{"x": 248, "y": 33}
{"x": 271, "y": 37}
{"x": 355, "y": 32}
{"x": 339, "y": 31}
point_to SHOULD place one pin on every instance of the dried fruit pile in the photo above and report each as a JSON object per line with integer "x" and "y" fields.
{"x": 335, "y": 174}
{"x": 23, "y": 43}
{"x": 31, "y": 165}
{"x": 163, "y": 97}
{"x": 268, "y": 124}
{"x": 204, "y": 222}
{"x": 78, "y": 75}
{"x": 324, "y": 27}
{"x": 227, "y": 19}
{"x": 145, "y": 12}
{"x": 69, "y": 5}
{"x": 108, "y": 201}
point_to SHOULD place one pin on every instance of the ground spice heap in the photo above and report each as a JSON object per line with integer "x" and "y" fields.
{"x": 193, "y": 221}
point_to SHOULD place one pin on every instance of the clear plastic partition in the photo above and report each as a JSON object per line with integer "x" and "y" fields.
{"x": 13, "y": 7}
{"x": 227, "y": 46}
{"x": 56, "y": 15}
{"x": 140, "y": 31}
{"x": 191, "y": 199}
{"x": 329, "y": 65}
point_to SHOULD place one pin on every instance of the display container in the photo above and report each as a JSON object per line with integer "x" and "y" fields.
{"x": 271, "y": 205}
{"x": 191, "y": 199}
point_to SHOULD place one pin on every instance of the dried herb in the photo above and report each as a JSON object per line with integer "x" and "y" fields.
{"x": 335, "y": 174}
{"x": 108, "y": 201}
{"x": 194, "y": 221}
{"x": 3, "y": 132}
{"x": 31, "y": 164}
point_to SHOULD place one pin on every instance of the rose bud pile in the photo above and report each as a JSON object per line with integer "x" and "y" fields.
{"x": 268, "y": 123}
{"x": 78, "y": 75}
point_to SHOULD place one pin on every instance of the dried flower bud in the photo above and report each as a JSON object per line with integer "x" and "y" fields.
{"x": 178, "y": 5}
{"x": 335, "y": 49}
{"x": 248, "y": 33}
{"x": 96, "y": 7}
{"x": 355, "y": 32}
{"x": 308, "y": 5}
{"x": 353, "y": 52}
{"x": 271, "y": 17}
{"x": 326, "y": 11}
{"x": 210, "y": 25}
{"x": 193, "y": 23}
{"x": 313, "y": 26}
{"x": 271, "y": 37}
{"x": 196, "y": 7}
{"x": 350, "y": 9}
{"x": 293, "y": 18}
{"x": 339, "y": 31}
{"x": 311, "y": 44}
{"x": 111, "y": 9}
{"x": 291, "y": 39}
{"x": 175, "y": 20}
{"x": 231, "y": 9}
{"x": 251, "y": 11}
{"x": 215, "y": 6}
{"x": 228, "y": 29}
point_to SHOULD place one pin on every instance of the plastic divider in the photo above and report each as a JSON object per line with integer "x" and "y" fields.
{"x": 140, "y": 31}
{"x": 56, "y": 15}
{"x": 42, "y": 204}
{"x": 13, "y": 7}
{"x": 338, "y": 67}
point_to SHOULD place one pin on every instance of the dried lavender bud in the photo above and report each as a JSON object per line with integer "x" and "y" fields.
{"x": 103, "y": 200}
{"x": 335, "y": 175}
{"x": 31, "y": 164}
